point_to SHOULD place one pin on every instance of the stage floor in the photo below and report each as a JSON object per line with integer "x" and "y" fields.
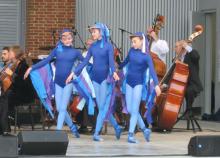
{"x": 173, "y": 144}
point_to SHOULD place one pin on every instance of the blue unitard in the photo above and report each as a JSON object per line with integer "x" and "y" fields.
{"x": 103, "y": 64}
{"x": 137, "y": 62}
{"x": 65, "y": 57}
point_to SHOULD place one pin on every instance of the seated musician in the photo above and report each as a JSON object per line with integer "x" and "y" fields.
{"x": 190, "y": 57}
{"x": 20, "y": 91}
{"x": 3, "y": 97}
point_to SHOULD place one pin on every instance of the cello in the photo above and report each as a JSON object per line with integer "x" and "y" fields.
{"x": 168, "y": 104}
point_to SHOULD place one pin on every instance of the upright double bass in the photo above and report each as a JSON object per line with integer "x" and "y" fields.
{"x": 168, "y": 104}
{"x": 159, "y": 65}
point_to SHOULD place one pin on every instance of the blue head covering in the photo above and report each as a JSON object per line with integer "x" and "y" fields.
{"x": 65, "y": 30}
{"x": 59, "y": 43}
{"x": 145, "y": 47}
{"x": 103, "y": 30}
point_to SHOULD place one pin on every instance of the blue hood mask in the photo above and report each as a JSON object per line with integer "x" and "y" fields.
{"x": 145, "y": 47}
{"x": 104, "y": 32}
{"x": 60, "y": 45}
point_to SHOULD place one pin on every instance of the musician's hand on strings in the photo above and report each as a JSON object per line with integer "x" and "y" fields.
{"x": 27, "y": 72}
{"x": 178, "y": 61}
{"x": 70, "y": 77}
{"x": 115, "y": 76}
{"x": 158, "y": 90}
{"x": 164, "y": 87}
{"x": 184, "y": 44}
{"x": 154, "y": 35}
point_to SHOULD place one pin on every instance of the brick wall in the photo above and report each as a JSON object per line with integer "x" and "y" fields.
{"x": 44, "y": 17}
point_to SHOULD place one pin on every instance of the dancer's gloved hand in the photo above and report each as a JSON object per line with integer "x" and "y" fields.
{"x": 115, "y": 76}
{"x": 70, "y": 77}
{"x": 27, "y": 72}
{"x": 158, "y": 90}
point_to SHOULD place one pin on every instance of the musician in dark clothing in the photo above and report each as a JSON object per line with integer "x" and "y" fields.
{"x": 3, "y": 97}
{"x": 191, "y": 58}
{"x": 21, "y": 91}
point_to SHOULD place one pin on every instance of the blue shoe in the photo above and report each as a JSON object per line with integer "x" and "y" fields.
{"x": 97, "y": 138}
{"x": 118, "y": 131}
{"x": 74, "y": 131}
{"x": 146, "y": 133}
{"x": 131, "y": 138}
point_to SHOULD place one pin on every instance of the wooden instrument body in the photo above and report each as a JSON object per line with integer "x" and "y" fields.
{"x": 159, "y": 66}
{"x": 169, "y": 103}
{"x": 6, "y": 83}
{"x": 6, "y": 78}
{"x": 73, "y": 105}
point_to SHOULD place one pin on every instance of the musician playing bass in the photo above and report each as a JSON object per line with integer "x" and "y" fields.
{"x": 181, "y": 81}
{"x": 190, "y": 57}
{"x": 158, "y": 51}
{"x": 158, "y": 48}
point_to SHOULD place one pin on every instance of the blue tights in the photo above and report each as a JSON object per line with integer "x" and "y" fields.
{"x": 62, "y": 98}
{"x": 133, "y": 99}
{"x": 101, "y": 92}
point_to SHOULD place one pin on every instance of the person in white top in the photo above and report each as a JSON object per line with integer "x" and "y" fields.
{"x": 158, "y": 46}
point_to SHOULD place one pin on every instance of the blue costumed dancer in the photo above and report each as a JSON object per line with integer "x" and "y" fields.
{"x": 103, "y": 66}
{"x": 138, "y": 61}
{"x": 65, "y": 56}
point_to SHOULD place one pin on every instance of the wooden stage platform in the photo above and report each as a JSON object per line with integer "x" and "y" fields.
{"x": 172, "y": 144}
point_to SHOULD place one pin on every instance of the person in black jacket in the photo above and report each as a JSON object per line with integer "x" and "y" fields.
{"x": 21, "y": 91}
{"x": 190, "y": 57}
